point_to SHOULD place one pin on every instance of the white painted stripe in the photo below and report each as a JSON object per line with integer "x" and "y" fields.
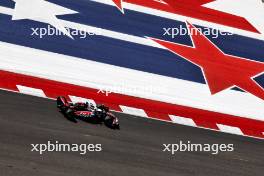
{"x": 229, "y": 129}
{"x": 182, "y": 120}
{"x": 112, "y": 34}
{"x": 31, "y": 91}
{"x": 133, "y": 111}
{"x": 75, "y": 99}
{"x": 5, "y": 10}
{"x": 27, "y": 61}
{"x": 177, "y": 17}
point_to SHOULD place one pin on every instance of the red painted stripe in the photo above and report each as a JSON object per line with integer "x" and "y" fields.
{"x": 193, "y": 9}
{"x": 156, "y": 109}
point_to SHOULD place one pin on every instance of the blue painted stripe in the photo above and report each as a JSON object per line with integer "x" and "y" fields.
{"x": 7, "y": 3}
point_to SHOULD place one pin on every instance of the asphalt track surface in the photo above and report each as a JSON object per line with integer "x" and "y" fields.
{"x": 134, "y": 150}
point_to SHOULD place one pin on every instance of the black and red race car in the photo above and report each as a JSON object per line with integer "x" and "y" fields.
{"x": 88, "y": 112}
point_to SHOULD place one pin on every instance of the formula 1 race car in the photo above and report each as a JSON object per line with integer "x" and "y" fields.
{"x": 88, "y": 112}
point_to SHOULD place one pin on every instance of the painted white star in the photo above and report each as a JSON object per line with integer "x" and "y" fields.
{"x": 252, "y": 10}
{"x": 42, "y": 11}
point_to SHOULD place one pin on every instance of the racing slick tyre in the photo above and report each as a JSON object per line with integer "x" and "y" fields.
{"x": 69, "y": 114}
{"x": 109, "y": 123}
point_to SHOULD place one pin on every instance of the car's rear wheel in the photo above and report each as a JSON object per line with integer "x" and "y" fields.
{"x": 60, "y": 102}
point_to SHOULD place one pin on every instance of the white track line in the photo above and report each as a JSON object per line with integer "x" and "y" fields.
{"x": 31, "y": 91}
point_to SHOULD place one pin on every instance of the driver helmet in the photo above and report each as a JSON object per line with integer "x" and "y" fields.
{"x": 92, "y": 106}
